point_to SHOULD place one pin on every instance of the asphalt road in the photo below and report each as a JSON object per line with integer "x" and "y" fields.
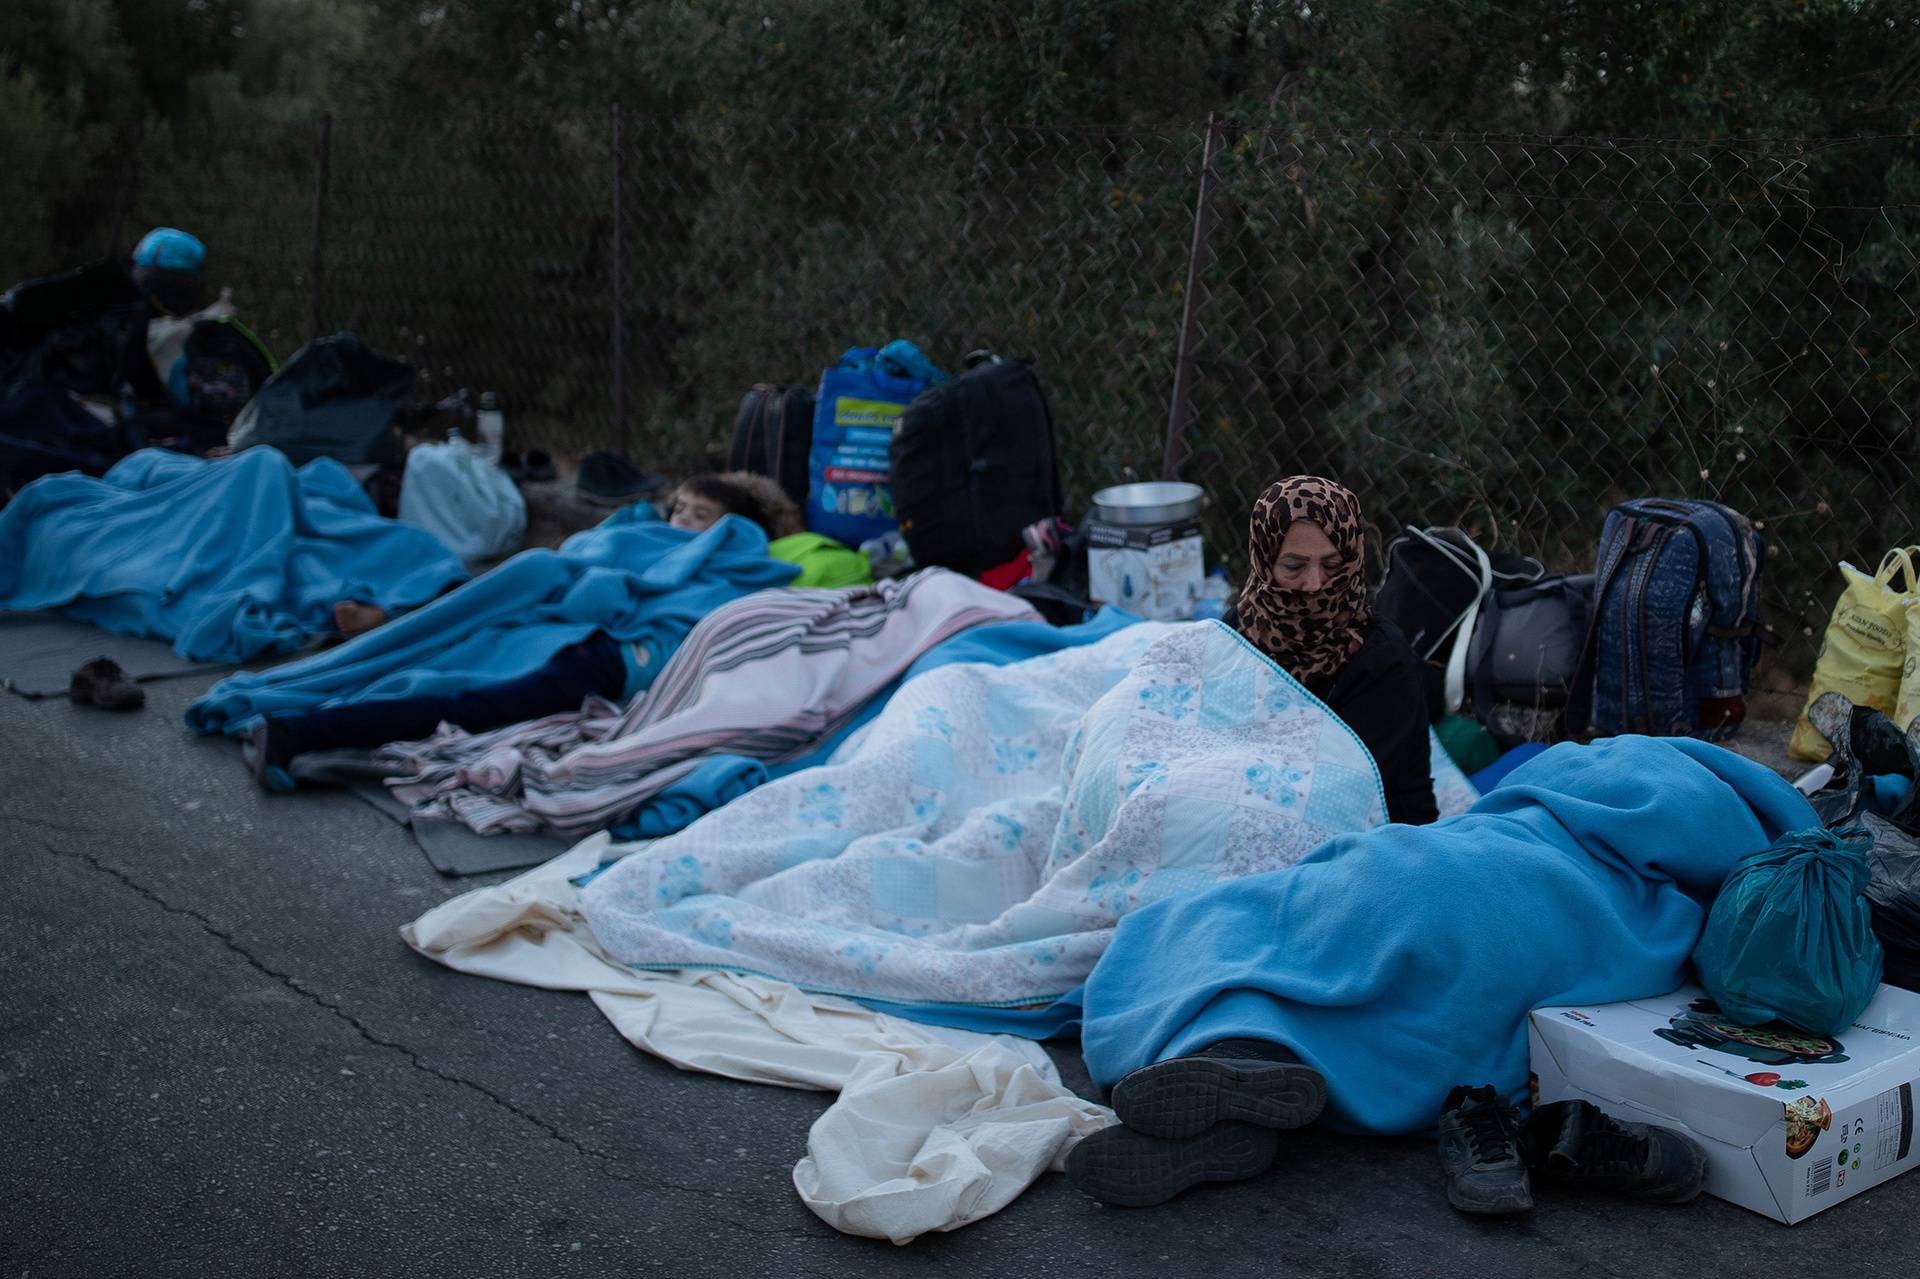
{"x": 217, "y": 1058}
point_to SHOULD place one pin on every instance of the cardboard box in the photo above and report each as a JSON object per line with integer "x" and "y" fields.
{"x": 1792, "y": 1124}
{"x": 1153, "y": 571}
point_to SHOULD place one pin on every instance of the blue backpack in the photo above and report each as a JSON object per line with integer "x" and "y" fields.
{"x": 1676, "y": 619}
{"x": 849, "y": 465}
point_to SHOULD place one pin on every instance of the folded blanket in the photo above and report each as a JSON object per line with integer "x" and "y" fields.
{"x": 643, "y": 583}
{"x": 1404, "y": 960}
{"x": 978, "y": 844}
{"x": 229, "y": 559}
{"x": 765, "y": 677}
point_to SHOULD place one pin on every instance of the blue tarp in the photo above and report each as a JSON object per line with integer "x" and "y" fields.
{"x": 644, "y": 583}
{"x": 1403, "y": 961}
{"x": 230, "y": 559}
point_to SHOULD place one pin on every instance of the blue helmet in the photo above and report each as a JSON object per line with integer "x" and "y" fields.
{"x": 170, "y": 250}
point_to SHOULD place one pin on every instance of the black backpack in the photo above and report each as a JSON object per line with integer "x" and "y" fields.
{"x": 973, "y": 465}
{"x": 771, "y": 435}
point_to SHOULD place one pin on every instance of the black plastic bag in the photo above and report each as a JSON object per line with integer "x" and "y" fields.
{"x": 335, "y": 398}
{"x": 1869, "y": 745}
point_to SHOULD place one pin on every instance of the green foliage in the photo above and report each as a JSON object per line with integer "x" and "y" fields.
{"x": 1511, "y": 333}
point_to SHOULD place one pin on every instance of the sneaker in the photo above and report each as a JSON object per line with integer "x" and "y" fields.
{"x": 1129, "y": 1169}
{"x": 1235, "y": 1080}
{"x": 1480, "y": 1151}
{"x": 102, "y": 683}
{"x": 1576, "y": 1144}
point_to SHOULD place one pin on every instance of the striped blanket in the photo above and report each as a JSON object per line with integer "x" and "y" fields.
{"x": 765, "y": 677}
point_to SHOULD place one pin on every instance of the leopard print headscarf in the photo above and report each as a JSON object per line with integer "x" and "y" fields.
{"x": 1310, "y": 633}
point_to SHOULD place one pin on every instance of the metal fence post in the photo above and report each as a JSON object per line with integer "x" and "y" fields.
{"x": 1179, "y": 412}
{"x": 323, "y": 151}
{"x": 618, "y": 284}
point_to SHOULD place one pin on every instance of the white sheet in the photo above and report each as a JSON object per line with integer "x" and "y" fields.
{"x": 934, "y": 1128}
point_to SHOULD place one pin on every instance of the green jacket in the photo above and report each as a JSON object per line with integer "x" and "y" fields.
{"x": 822, "y": 561}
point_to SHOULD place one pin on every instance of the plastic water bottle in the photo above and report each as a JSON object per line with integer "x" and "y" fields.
{"x": 491, "y": 425}
{"x": 1216, "y": 595}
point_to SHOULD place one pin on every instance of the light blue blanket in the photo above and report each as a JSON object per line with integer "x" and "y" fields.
{"x": 1404, "y": 960}
{"x": 230, "y": 559}
{"x": 643, "y": 583}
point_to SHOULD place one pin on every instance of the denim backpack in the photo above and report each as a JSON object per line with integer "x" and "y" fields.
{"x": 1676, "y": 619}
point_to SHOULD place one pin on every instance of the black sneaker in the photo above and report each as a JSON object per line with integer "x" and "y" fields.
{"x": 1248, "y": 1080}
{"x": 1480, "y": 1151}
{"x": 1578, "y": 1145}
{"x": 1129, "y": 1169}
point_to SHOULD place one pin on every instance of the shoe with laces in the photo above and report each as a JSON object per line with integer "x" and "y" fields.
{"x": 1578, "y": 1145}
{"x": 1243, "y": 1080}
{"x": 1480, "y": 1151}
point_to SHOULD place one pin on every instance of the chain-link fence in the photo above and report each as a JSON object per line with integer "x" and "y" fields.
{"x": 1505, "y": 333}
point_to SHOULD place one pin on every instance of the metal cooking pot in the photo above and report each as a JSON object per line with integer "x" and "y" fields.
{"x": 1155, "y": 502}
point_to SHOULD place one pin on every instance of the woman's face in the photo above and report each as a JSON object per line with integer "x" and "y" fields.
{"x": 1308, "y": 559}
{"x": 695, "y": 513}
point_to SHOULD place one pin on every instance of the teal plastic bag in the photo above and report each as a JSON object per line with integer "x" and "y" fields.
{"x": 1790, "y": 937}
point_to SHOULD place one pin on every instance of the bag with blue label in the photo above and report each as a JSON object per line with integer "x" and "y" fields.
{"x": 849, "y": 474}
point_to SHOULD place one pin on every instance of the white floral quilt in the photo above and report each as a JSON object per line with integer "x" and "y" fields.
{"x": 981, "y": 840}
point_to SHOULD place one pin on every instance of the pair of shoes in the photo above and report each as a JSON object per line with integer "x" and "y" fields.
{"x": 102, "y": 683}
{"x": 1212, "y": 1116}
{"x": 267, "y": 757}
{"x": 1492, "y": 1162}
{"x": 611, "y": 480}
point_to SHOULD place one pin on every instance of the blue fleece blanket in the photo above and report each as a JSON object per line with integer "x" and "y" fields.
{"x": 720, "y": 779}
{"x": 645, "y": 584}
{"x": 229, "y": 559}
{"x": 1404, "y": 960}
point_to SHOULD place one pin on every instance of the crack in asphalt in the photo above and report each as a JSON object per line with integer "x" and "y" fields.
{"x": 293, "y": 983}
{"x": 608, "y": 1162}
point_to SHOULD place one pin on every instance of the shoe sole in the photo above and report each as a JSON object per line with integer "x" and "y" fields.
{"x": 1497, "y": 1206}
{"x": 1185, "y": 1096}
{"x": 1133, "y": 1170}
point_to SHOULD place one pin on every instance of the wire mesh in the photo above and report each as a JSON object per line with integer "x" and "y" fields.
{"x": 1510, "y": 334}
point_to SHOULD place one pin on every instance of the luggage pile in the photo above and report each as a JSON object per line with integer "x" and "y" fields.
{"x": 1660, "y": 639}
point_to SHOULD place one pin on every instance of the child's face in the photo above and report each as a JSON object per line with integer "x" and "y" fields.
{"x": 695, "y": 513}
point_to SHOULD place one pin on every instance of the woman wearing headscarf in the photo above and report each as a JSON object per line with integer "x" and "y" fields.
{"x": 1212, "y": 1115}
{"x": 1306, "y": 605}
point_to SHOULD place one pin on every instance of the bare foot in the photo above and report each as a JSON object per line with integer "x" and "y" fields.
{"x": 353, "y": 617}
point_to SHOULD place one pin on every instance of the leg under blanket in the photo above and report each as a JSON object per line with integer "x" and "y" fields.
{"x": 1404, "y": 960}
{"x": 230, "y": 559}
{"x": 764, "y": 677}
{"x": 643, "y": 584}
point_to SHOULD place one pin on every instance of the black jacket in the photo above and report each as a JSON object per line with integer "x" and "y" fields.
{"x": 1381, "y": 695}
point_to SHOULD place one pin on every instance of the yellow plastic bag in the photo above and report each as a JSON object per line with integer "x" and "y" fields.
{"x": 1865, "y": 646}
{"x": 1909, "y": 704}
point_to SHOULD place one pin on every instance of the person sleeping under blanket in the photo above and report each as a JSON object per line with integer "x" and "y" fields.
{"x": 1305, "y": 604}
{"x": 598, "y": 665}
